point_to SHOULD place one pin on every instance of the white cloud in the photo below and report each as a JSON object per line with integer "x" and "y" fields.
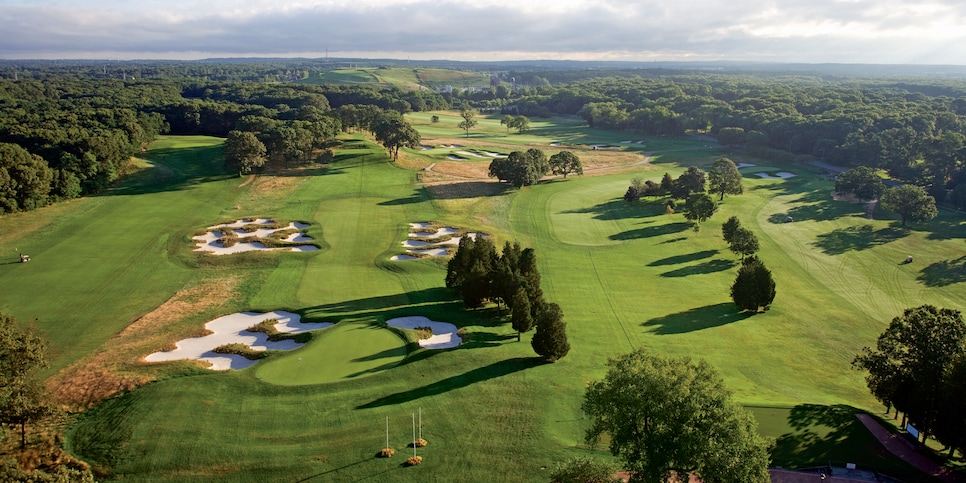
{"x": 882, "y": 31}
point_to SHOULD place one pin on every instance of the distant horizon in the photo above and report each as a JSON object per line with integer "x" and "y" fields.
{"x": 877, "y": 32}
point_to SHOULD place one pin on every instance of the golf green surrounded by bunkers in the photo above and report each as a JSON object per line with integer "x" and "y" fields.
{"x": 626, "y": 276}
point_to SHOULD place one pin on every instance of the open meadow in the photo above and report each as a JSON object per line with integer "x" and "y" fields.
{"x": 114, "y": 278}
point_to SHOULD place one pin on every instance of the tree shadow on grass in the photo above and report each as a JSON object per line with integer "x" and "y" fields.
{"x": 651, "y": 231}
{"x": 837, "y": 242}
{"x": 678, "y": 259}
{"x": 466, "y": 190}
{"x": 817, "y": 435}
{"x": 474, "y": 376}
{"x": 419, "y": 195}
{"x": 437, "y": 297}
{"x": 946, "y": 272}
{"x": 710, "y": 266}
{"x": 697, "y": 319}
{"x": 618, "y": 209}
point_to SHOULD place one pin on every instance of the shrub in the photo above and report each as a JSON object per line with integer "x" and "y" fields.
{"x": 414, "y": 460}
{"x": 241, "y": 350}
{"x": 423, "y": 332}
{"x": 420, "y": 442}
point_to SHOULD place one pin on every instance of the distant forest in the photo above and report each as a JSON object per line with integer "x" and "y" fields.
{"x": 68, "y": 129}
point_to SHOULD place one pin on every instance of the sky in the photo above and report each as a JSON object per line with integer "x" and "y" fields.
{"x": 810, "y": 31}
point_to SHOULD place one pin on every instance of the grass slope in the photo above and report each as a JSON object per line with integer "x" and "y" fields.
{"x": 626, "y": 275}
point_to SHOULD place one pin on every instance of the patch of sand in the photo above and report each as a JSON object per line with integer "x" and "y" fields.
{"x": 444, "y": 333}
{"x": 232, "y": 329}
{"x": 98, "y": 377}
{"x": 416, "y": 249}
{"x": 211, "y": 240}
{"x": 745, "y": 165}
{"x": 780, "y": 174}
{"x": 468, "y": 153}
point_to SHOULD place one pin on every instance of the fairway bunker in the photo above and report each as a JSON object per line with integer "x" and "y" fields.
{"x": 429, "y": 240}
{"x": 444, "y": 334}
{"x": 232, "y": 329}
{"x": 254, "y": 234}
{"x": 780, "y": 174}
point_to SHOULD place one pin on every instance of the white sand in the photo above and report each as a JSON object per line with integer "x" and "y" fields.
{"x": 444, "y": 333}
{"x": 744, "y": 165}
{"x": 495, "y": 155}
{"x": 232, "y": 329}
{"x": 403, "y": 257}
{"x": 420, "y": 225}
{"x": 416, "y": 249}
{"x": 454, "y": 158}
{"x": 415, "y": 244}
{"x": 431, "y": 252}
{"x": 468, "y": 153}
{"x": 444, "y": 231}
{"x": 780, "y": 174}
{"x": 209, "y": 241}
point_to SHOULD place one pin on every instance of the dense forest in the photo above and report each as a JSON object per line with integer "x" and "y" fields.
{"x": 69, "y": 129}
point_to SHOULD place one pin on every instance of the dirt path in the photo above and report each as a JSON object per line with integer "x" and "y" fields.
{"x": 905, "y": 450}
{"x": 248, "y": 181}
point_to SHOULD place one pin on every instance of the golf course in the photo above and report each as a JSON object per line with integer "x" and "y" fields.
{"x": 116, "y": 277}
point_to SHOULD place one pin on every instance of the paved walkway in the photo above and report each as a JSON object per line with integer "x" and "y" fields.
{"x": 907, "y": 452}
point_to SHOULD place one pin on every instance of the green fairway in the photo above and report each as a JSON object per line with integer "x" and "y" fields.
{"x": 346, "y": 351}
{"x": 626, "y": 275}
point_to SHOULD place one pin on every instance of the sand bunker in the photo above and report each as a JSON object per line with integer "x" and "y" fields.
{"x": 745, "y": 165}
{"x": 427, "y": 247}
{"x": 444, "y": 333}
{"x": 213, "y": 241}
{"x": 780, "y": 174}
{"x": 233, "y": 329}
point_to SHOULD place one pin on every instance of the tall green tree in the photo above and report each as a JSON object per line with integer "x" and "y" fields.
{"x": 699, "y": 208}
{"x": 754, "y": 286}
{"x": 23, "y": 398}
{"x": 690, "y": 181}
{"x": 910, "y": 202}
{"x": 507, "y": 121}
{"x": 521, "y": 123}
{"x": 724, "y": 178}
{"x": 950, "y": 427}
{"x": 672, "y": 416}
{"x": 861, "y": 181}
{"x": 243, "y": 152}
{"x": 550, "y": 339}
{"x": 393, "y": 132}
{"x": 468, "y": 121}
{"x": 744, "y": 242}
{"x": 520, "y": 318}
{"x": 730, "y": 228}
{"x": 564, "y": 163}
{"x": 908, "y": 366}
{"x": 25, "y": 179}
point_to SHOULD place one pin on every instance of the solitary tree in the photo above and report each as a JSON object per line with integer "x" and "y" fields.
{"x": 744, "y": 242}
{"x": 861, "y": 181}
{"x": 691, "y": 181}
{"x": 672, "y": 416}
{"x": 507, "y": 121}
{"x": 912, "y": 357}
{"x": 243, "y": 152}
{"x": 724, "y": 178}
{"x": 754, "y": 286}
{"x": 565, "y": 162}
{"x": 393, "y": 132}
{"x": 468, "y": 122}
{"x": 521, "y": 124}
{"x": 550, "y": 339}
{"x": 699, "y": 208}
{"x": 911, "y": 202}
{"x": 23, "y": 399}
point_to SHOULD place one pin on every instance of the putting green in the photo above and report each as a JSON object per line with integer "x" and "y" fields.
{"x": 344, "y": 351}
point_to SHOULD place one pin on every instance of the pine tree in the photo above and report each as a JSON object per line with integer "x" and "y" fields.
{"x": 550, "y": 340}
{"x": 521, "y": 319}
{"x": 754, "y": 286}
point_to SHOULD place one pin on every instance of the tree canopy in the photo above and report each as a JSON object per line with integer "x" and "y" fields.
{"x": 394, "y": 132}
{"x": 468, "y": 121}
{"x": 861, "y": 181}
{"x": 700, "y": 207}
{"x": 910, "y": 202}
{"x": 564, "y": 163}
{"x": 520, "y": 168}
{"x": 754, "y": 286}
{"x": 724, "y": 178}
{"x": 672, "y": 415}
{"x": 243, "y": 152}
{"x": 912, "y": 358}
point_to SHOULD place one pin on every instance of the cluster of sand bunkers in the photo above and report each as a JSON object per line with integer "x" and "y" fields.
{"x": 778, "y": 175}
{"x": 429, "y": 240}
{"x": 252, "y": 234}
{"x": 425, "y": 239}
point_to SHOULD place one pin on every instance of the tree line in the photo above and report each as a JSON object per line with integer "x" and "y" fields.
{"x": 509, "y": 279}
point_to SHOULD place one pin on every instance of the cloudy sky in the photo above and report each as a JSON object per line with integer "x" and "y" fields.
{"x": 845, "y": 31}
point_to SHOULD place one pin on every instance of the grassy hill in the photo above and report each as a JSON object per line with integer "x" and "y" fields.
{"x": 403, "y": 78}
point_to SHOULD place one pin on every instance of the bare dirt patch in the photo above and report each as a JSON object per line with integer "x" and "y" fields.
{"x": 248, "y": 181}
{"x": 115, "y": 367}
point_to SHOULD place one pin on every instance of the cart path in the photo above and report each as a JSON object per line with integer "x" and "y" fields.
{"x": 905, "y": 451}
